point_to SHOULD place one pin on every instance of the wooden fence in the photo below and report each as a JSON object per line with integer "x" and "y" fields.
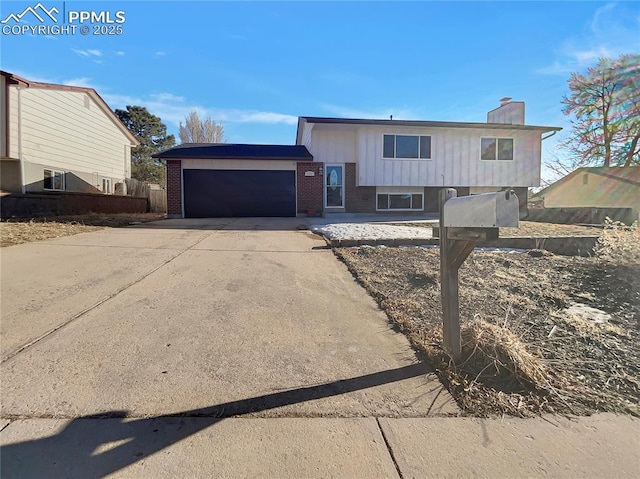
{"x": 155, "y": 194}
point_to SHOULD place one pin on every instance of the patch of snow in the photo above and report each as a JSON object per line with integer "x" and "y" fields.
{"x": 369, "y": 231}
{"x": 587, "y": 313}
{"x": 487, "y": 249}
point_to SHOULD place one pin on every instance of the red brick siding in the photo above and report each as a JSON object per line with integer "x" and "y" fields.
{"x": 310, "y": 193}
{"x": 357, "y": 199}
{"x": 174, "y": 187}
{"x": 69, "y": 203}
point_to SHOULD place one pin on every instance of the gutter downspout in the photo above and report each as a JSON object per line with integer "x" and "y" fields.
{"x": 549, "y": 136}
{"x": 20, "y": 159}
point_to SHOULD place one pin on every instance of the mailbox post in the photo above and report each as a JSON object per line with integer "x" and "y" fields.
{"x": 463, "y": 222}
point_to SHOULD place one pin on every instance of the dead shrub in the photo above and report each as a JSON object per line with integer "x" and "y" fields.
{"x": 619, "y": 243}
{"x": 496, "y": 353}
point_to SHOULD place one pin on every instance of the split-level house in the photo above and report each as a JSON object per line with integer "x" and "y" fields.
{"x": 341, "y": 165}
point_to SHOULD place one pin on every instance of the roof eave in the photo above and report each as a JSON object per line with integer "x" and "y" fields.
{"x": 203, "y": 157}
{"x": 421, "y": 123}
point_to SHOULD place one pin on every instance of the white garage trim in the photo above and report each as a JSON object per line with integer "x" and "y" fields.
{"x": 198, "y": 164}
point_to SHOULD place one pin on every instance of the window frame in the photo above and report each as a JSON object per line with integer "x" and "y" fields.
{"x": 106, "y": 186}
{"x": 388, "y": 195}
{"x": 395, "y": 147}
{"x": 497, "y": 150}
{"x": 53, "y": 174}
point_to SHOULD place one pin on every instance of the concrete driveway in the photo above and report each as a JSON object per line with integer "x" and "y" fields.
{"x": 200, "y": 318}
{"x": 127, "y": 352}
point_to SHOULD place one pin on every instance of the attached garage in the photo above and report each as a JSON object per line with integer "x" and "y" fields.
{"x": 228, "y": 180}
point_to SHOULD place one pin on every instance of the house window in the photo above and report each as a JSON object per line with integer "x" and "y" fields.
{"x": 53, "y": 180}
{"x": 406, "y": 146}
{"x": 585, "y": 179}
{"x": 496, "y": 149}
{"x": 106, "y": 185}
{"x": 400, "y": 201}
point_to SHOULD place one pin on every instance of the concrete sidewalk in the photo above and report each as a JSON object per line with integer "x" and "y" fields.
{"x": 600, "y": 446}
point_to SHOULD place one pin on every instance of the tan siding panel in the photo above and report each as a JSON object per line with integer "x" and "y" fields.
{"x": 59, "y": 130}
{"x": 13, "y": 122}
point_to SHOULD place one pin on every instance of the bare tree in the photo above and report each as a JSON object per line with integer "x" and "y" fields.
{"x": 605, "y": 106}
{"x": 196, "y": 130}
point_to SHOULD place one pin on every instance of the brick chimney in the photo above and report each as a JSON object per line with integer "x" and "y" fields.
{"x": 509, "y": 112}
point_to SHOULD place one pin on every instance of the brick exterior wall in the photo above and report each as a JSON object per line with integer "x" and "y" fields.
{"x": 357, "y": 199}
{"x": 69, "y": 203}
{"x": 174, "y": 188}
{"x": 310, "y": 192}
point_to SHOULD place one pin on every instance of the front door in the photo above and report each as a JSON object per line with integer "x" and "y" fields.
{"x": 334, "y": 186}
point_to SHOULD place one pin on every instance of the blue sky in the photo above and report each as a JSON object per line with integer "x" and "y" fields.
{"x": 257, "y": 66}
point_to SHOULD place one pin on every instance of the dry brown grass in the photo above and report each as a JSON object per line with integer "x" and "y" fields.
{"x": 533, "y": 229}
{"x": 619, "y": 244}
{"x": 522, "y": 354}
{"x": 500, "y": 352}
{"x": 18, "y": 231}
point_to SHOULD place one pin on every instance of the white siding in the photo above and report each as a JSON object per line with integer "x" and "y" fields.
{"x": 333, "y": 146}
{"x": 306, "y": 133}
{"x": 197, "y": 164}
{"x": 399, "y": 189}
{"x": 455, "y": 156}
{"x": 68, "y": 130}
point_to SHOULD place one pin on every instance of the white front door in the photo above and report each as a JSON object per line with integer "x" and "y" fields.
{"x": 334, "y": 186}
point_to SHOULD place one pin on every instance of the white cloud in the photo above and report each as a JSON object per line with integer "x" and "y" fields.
{"x": 173, "y": 109}
{"x": 81, "y": 81}
{"x": 160, "y": 53}
{"x": 166, "y": 97}
{"x": 30, "y": 77}
{"x": 609, "y": 34}
{"x": 254, "y": 116}
{"x": 119, "y": 53}
{"x": 88, "y": 53}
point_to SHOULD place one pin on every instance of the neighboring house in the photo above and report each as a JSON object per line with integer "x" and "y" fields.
{"x": 357, "y": 166}
{"x": 59, "y": 138}
{"x": 615, "y": 187}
